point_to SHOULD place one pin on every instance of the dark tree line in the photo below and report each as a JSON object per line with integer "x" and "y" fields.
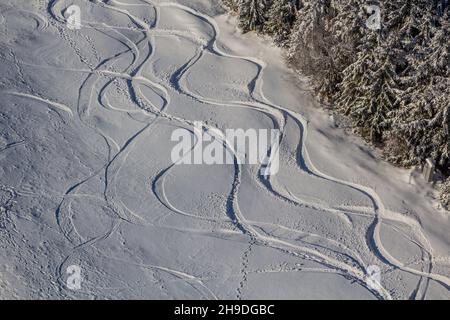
{"x": 392, "y": 82}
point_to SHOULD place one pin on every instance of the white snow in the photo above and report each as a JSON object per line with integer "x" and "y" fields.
{"x": 86, "y": 177}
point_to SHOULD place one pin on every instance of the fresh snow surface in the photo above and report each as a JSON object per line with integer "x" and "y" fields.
{"x": 86, "y": 177}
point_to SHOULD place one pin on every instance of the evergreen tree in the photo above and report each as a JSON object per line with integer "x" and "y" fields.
{"x": 280, "y": 21}
{"x": 253, "y": 14}
{"x": 310, "y": 44}
{"x": 421, "y": 122}
{"x": 231, "y": 5}
{"x": 369, "y": 90}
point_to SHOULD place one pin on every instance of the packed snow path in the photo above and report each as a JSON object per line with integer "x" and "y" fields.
{"x": 87, "y": 177}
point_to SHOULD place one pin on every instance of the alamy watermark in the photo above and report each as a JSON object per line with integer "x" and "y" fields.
{"x": 374, "y": 20}
{"x": 74, "y": 17}
{"x": 74, "y": 279}
{"x": 373, "y": 278}
{"x": 210, "y": 146}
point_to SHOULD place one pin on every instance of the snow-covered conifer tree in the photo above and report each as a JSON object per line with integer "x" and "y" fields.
{"x": 253, "y": 14}
{"x": 280, "y": 20}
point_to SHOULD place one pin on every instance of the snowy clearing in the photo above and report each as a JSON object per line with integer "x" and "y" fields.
{"x": 86, "y": 177}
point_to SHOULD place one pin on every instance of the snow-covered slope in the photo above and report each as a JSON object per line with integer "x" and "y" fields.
{"x": 86, "y": 177}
